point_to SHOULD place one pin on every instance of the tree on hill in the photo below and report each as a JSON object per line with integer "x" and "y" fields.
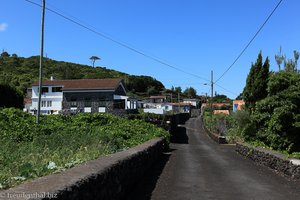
{"x": 256, "y": 84}
{"x": 5, "y": 54}
{"x": 93, "y": 59}
{"x": 178, "y": 90}
{"x": 221, "y": 98}
{"x": 190, "y": 92}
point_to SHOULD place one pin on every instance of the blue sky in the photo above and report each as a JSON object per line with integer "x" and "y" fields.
{"x": 196, "y": 36}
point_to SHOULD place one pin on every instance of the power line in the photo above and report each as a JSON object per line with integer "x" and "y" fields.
{"x": 226, "y": 89}
{"x": 246, "y": 47}
{"x": 119, "y": 42}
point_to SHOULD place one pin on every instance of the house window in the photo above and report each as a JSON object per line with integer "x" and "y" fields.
{"x": 43, "y": 104}
{"x": 45, "y": 90}
{"x": 73, "y": 102}
{"x": 119, "y": 104}
{"x": 56, "y": 89}
{"x": 49, "y": 103}
{"x": 87, "y": 102}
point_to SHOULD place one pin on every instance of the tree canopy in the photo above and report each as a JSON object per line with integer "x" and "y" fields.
{"x": 256, "y": 84}
{"x": 190, "y": 92}
{"x": 93, "y": 59}
{"x": 10, "y": 97}
{"x": 277, "y": 117}
{"x": 274, "y": 102}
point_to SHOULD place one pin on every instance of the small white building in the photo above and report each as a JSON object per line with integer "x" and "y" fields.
{"x": 158, "y": 108}
{"x": 193, "y": 102}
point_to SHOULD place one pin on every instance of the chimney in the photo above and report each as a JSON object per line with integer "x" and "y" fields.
{"x": 51, "y": 78}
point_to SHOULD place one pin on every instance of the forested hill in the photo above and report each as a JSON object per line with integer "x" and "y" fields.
{"x": 19, "y": 72}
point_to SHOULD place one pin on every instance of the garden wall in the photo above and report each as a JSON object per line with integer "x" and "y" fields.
{"x": 108, "y": 177}
{"x": 176, "y": 119}
{"x": 271, "y": 159}
{"x": 217, "y": 138}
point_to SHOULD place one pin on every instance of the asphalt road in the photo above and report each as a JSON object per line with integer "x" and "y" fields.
{"x": 198, "y": 168}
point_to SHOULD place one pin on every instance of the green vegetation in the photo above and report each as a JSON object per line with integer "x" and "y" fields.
{"x": 28, "y": 150}
{"x": 219, "y": 123}
{"x": 272, "y": 115}
{"x": 276, "y": 120}
{"x": 220, "y": 98}
{"x": 10, "y": 97}
{"x": 256, "y": 84}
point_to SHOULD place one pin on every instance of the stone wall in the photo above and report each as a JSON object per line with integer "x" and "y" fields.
{"x": 108, "y": 177}
{"x": 217, "y": 138}
{"x": 176, "y": 119}
{"x": 271, "y": 159}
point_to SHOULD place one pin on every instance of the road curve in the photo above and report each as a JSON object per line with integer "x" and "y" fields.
{"x": 198, "y": 168}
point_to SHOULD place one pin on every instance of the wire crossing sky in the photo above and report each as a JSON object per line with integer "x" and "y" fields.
{"x": 122, "y": 44}
{"x": 193, "y": 37}
{"x": 252, "y": 39}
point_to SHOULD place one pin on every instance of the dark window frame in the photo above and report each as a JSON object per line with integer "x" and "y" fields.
{"x": 57, "y": 89}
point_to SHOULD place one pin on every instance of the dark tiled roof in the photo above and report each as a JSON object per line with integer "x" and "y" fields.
{"x": 85, "y": 84}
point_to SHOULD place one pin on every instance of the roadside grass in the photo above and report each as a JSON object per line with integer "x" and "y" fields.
{"x": 28, "y": 150}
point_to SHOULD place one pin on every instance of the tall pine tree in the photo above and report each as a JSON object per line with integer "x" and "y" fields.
{"x": 256, "y": 84}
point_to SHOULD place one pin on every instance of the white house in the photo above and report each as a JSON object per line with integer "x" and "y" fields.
{"x": 81, "y": 95}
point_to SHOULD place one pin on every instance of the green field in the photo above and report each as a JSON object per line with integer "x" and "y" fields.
{"x": 28, "y": 150}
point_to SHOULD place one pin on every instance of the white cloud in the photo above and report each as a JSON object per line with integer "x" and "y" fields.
{"x": 3, "y": 26}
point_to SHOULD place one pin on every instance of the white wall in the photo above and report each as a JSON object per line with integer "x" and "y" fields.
{"x": 54, "y": 97}
{"x": 193, "y": 103}
{"x": 132, "y": 104}
{"x": 159, "y": 111}
{"x": 49, "y": 94}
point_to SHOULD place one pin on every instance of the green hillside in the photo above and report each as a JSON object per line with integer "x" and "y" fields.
{"x": 20, "y": 72}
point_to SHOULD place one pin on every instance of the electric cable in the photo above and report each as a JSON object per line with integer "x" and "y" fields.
{"x": 154, "y": 58}
{"x": 252, "y": 39}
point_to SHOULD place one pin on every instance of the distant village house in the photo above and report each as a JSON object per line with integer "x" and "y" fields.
{"x": 238, "y": 105}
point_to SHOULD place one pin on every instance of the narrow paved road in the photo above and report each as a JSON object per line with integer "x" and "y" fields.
{"x": 197, "y": 168}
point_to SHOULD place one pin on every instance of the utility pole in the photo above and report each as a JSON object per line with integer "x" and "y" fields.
{"x": 211, "y": 98}
{"x": 212, "y": 84}
{"x": 41, "y": 64}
